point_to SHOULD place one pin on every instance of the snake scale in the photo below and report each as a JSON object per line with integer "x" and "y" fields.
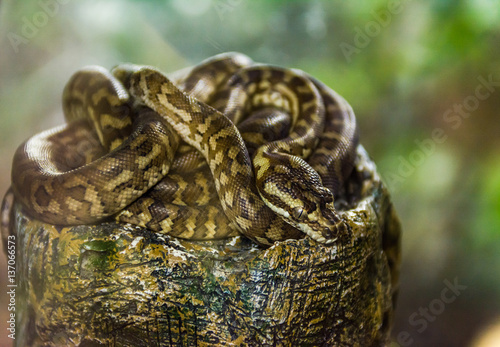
{"x": 230, "y": 147}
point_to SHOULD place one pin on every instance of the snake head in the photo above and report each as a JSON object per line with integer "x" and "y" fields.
{"x": 295, "y": 192}
{"x": 314, "y": 213}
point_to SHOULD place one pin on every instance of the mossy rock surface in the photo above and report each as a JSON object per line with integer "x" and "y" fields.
{"x": 117, "y": 285}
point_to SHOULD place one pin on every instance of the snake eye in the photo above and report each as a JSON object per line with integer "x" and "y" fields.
{"x": 298, "y": 213}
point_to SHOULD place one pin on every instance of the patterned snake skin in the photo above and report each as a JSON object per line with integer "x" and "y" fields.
{"x": 232, "y": 146}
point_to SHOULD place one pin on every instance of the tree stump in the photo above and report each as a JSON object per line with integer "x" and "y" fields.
{"x": 114, "y": 284}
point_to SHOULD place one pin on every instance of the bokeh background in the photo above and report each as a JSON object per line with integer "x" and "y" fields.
{"x": 422, "y": 76}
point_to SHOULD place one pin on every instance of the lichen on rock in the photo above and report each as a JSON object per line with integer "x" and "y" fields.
{"x": 114, "y": 284}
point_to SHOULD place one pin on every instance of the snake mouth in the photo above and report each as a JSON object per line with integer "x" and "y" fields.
{"x": 332, "y": 227}
{"x": 268, "y": 136}
{"x": 324, "y": 235}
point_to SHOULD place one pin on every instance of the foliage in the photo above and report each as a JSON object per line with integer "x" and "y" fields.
{"x": 403, "y": 68}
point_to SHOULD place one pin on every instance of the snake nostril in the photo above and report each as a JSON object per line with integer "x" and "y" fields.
{"x": 328, "y": 233}
{"x": 143, "y": 116}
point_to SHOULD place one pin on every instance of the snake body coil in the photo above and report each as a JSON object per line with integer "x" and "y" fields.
{"x": 231, "y": 147}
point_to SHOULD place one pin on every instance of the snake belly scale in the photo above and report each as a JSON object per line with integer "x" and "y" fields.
{"x": 231, "y": 147}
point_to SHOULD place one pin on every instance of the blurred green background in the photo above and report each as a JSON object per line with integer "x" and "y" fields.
{"x": 424, "y": 81}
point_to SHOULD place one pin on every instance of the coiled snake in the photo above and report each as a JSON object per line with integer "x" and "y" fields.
{"x": 233, "y": 146}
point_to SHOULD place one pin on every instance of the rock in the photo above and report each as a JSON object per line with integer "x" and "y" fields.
{"x": 114, "y": 284}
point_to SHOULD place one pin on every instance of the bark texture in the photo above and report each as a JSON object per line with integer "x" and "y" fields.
{"x": 113, "y": 284}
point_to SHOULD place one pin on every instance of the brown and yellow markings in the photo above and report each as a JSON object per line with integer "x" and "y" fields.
{"x": 121, "y": 182}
